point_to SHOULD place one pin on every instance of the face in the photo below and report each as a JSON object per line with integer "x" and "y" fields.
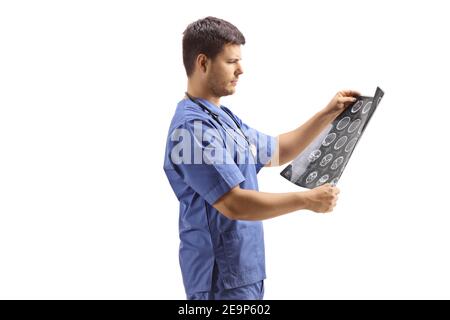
{"x": 224, "y": 71}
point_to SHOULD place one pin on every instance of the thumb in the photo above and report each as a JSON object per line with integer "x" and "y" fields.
{"x": 346, "y": 99}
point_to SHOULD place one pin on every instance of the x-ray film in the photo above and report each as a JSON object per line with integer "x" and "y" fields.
{"x": 326, "y": 157}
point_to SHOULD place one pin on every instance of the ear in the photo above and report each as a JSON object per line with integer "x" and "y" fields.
{"x": 203, "y": 62}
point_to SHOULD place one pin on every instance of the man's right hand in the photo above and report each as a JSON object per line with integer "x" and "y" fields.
{"x": 322, "y": 199}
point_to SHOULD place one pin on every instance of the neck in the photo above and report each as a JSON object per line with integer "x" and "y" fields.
{"x": 197, "y": 92}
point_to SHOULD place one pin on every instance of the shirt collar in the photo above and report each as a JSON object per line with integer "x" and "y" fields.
{"x": 210, "y": 105}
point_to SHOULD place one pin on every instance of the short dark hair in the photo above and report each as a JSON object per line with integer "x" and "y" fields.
{"x": 207, "y": 36}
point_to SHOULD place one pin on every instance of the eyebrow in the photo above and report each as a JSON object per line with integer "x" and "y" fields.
{"x": 234, "y": 59}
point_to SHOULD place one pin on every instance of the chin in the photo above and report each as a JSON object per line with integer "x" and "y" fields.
{"x": 227, "y": 91}
{"x": 230, "y": 91}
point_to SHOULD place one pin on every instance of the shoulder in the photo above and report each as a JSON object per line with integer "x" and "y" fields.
{"x": 187, "y": 114}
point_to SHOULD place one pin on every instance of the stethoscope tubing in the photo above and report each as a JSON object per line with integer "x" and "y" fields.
{"x": 215, "y": 116}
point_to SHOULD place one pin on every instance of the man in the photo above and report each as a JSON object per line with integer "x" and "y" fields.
{"x": 212, "y": 158}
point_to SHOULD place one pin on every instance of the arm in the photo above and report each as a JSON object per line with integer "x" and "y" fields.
{"x": 242, "y": 204}
{"x": 292, "y": 143}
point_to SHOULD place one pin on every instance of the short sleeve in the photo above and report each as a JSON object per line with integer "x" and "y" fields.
{"x": 266, "y": 145}
{"x": 198, "y": 154}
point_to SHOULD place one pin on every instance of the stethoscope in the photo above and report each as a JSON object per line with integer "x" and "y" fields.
{"x": 215, "y": 116}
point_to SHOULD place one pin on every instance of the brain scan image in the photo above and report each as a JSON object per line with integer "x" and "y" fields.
{"x": 329, "y": 139}
{"x": 322, "y": 180}
{"x": 357, "y": 106}
{"x": 343, "y": 123}
{"x": 314, "y": 155}
{"x": 350, "y": 144}
{"x": 354, "y": 125}
{"x": 367, "y": 107}
{"x": 326, "y": 157}
{"x": 311, "y": 177}
{"x": 337, "y": 163}
{"x": 340, "y": 143}
{"x": 360, "y": 129}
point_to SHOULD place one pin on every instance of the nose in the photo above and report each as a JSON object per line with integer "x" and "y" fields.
{"x": 239, "y": 69}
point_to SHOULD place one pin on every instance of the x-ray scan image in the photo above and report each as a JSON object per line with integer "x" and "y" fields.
{"x": 326, "y": 157}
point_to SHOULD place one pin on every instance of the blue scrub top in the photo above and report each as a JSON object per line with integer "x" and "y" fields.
{"x": 208, "y": 237}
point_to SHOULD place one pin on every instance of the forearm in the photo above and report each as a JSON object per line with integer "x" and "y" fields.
{"x": 254, "y": 205}
{"x": 291, "y": 143}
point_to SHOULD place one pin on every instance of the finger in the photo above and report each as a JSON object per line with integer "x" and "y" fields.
{"x": 346, "y": 99}
{"x": 351, "y": 93}
{"x": 327, "y": 186}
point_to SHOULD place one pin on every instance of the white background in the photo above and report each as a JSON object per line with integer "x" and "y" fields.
{"x": 87, "y": 92}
